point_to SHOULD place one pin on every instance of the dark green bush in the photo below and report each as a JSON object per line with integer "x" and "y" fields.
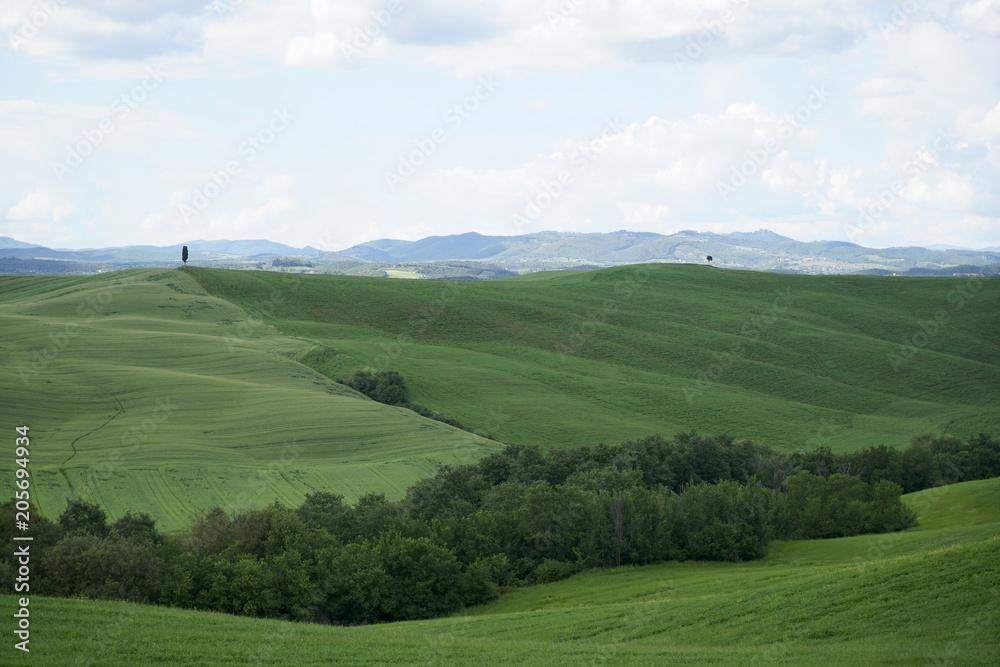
{"x": 383, "y": 386}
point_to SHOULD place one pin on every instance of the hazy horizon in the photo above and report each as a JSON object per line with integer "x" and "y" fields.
{"x": 269, "y": 240}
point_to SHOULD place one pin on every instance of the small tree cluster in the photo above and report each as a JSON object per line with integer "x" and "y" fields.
{"x": 383, "y": 386}
{"x": 389, "y": 387}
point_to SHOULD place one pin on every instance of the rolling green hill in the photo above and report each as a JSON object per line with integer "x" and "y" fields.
{"x": 571, "y": 358}
{"x": 150, "y": 395}
{"x": 170, "y": 391}
{"x": 925, "y": 596}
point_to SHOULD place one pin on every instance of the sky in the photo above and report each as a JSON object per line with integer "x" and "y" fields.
{"x": 330, "y": 123}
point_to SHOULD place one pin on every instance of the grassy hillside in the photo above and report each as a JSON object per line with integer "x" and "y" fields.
{"x": 926, "y": 596}
{"x": 580, "y": 357}
{"x": 149, "y": 394}
{"x": 170, "y": 391}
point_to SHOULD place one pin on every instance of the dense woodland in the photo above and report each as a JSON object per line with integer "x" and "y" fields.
{"x": 514, "y": 518}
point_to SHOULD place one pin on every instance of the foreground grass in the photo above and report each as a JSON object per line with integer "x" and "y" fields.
{"x": 926, "y": 596}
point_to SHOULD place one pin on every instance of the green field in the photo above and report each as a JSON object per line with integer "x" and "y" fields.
{"x": 163, "y": 399}
{"x": 576, "y": 358}
{"x": 930, "y": 595}
{"x": 170, "y": 391}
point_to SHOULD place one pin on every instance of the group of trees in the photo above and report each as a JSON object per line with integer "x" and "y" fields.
{"x": 389, "y": 387}
{"x": 516, "y": 517}
{"x": 383, "y": 386}
{"x": 928, "y": 461}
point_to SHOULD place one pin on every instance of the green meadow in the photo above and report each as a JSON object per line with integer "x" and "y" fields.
{"x": 577, "y": 358}
{"x": 926, "y": 596}
{"x": 162, "y": 399}
{"x": 171, "y": 391}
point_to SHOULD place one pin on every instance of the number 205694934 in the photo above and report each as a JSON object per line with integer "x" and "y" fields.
{"x": 22, "y": 542}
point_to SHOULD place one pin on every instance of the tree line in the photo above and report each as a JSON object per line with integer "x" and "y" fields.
{"x": 517, "y": 517}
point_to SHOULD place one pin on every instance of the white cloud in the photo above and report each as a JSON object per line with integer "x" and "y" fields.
{"x": 643, "y": 214}
{"x": 885, "y": 86}
{"x": 508, "y": 37}
{"x": 40, "y": 205}
{"x": 978, "y": 124}
{"x": 982, "y": 16}
{"x": 945, "y": 191}
{"x": 667, "y": 164}
{"x": 102, "y": 30}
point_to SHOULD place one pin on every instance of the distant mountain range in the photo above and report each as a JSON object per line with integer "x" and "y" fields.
{"x": 467, "y": 254}
{"x": 7, "y": 242}
{"x": 236, "y": 248}
{"x": 762, "y": 249}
